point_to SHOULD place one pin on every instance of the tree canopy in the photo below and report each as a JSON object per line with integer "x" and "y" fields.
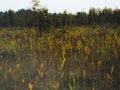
{"x": 43, "y": 19}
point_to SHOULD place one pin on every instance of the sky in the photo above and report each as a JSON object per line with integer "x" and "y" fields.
{"x": 72, "y": 6}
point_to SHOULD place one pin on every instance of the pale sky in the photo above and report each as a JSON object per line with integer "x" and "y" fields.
{"x": 60, "y": 5}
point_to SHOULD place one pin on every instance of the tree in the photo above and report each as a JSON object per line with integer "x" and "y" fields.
{"x": 107, "y": 16}
{"x": 41, "y": 17}
{"x": 1, "y": 18}
{"x": 35, "y": 5}
{"x": 11, "y": 18}
{"x": 81, "y": 18}
{"x": 5, "y": 20}
{"x": 93, "y": 16}
{"x": 116, "y": 16}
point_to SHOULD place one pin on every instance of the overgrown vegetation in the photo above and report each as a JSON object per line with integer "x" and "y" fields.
{"x": 79, "y": 58}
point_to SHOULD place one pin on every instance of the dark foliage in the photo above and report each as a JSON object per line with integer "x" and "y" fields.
{"x": 44, "y": 20}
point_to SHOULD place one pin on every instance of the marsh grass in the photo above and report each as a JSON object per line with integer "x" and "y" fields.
{"x": 71, "y": 59}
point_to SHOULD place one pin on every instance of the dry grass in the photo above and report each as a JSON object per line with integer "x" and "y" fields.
{"x": 70, "y": 59}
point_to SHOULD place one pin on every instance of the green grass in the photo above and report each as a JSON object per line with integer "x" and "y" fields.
{"x": 80, "y": 58}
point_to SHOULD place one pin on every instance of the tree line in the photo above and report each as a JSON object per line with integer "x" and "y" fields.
{"x": 43, "y": 19}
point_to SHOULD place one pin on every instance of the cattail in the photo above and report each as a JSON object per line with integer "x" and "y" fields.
{"x": 30, "y": 86}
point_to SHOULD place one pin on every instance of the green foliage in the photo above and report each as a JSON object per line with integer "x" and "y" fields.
{"x": 42, "y": 19}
